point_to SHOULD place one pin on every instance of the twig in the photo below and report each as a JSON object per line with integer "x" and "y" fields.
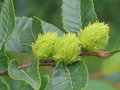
{"x": 98, "y": 54}
{"x": 4, "y": 74}
{"x": 50, "y": 63}
{"x": 25, "y": 65}
{"x": 53, "y": 63}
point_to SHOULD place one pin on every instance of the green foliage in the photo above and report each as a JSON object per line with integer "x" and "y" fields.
{"x": 44, "y": 82}
{"x": 50, "y": 28}
{"x": 87, "y": 12}
{"x": 7, "y": 22}
{"x": 71, "y": 15}
{"x": 3, "y": 61}
{"x": 75, "y": 76}
{"x": 77, "y": 13}
{"x": 30, "y": 74}
{"x": 111, "y": 65}
{"x": 3, "y": 85}
{"x": 13, "y": 84}
{"x": 94, "y": 84}
{"x": 24, "y": 33}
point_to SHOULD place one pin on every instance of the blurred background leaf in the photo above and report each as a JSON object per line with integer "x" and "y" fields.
{"x": 94, "y": 84}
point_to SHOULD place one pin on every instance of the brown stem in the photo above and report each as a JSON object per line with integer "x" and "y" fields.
{"x": 4, "y": 74}
{"x": 50, "y": 63}
{"x": 25, "y": 65}
{"x": 53, "y": 63}
{"x": 98, "y": 54}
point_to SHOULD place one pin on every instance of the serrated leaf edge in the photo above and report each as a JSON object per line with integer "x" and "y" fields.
{"x": 23, "y": 79}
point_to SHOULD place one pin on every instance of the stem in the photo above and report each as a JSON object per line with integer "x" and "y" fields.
{"x": 50, "y": 63}
{"x": 98, "y": 54}
{"x": 53, "y": 63}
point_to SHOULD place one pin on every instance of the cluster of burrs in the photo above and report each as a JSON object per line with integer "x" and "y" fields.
{"x": 67, "y": 48}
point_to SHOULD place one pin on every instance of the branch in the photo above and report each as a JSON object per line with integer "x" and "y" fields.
{"x": 98, "y": 54}
{"x": 50, "y": 63}
{"x": 53, "y": 63}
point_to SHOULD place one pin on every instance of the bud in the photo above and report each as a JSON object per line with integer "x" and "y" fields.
{"x": 67, "y": 48}
{"x": 94, "y": 37}
{"x": 44, "y": 45}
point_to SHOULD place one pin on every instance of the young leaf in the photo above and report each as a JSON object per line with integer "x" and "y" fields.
{"x": 44, "y": 82}
{"x": 26, "y": 32}
{"x": 30, "y": 74}
{"x": 69, "y": 77}
{"x": 7, "y": 21}
{"x": 50, "y": 28}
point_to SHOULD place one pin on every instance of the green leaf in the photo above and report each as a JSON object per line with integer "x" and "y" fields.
{"x": 79, "y": 74}
{"x": 3, "y": 86}
{"x": 30, "y": 74}
{"x": 12, "y": 84}
{"x": 1, "y": 3}
{"x": 7, "y": 22}
{"x": 25, "y": 33}
{"x": 70, "y": 77}
{"x": 15, "y": 84}
{"x": 47, "y": 71}
{"x": 111, "y": 65}
{"x": 44, "y": 82}
{"x": 114, "y": 39}
{"x": 61, "y": 79}
{"x": 94, "y": 84}
{"x": 36, "y": 27}
{"x": 50, "y": 28}
{"x": 114, "y": 52}
{"x": 87, "y": 12}
{"x": 77, "y": 13}
{"x": 28, "y": 88}
{"x": 4, "y": 82}
{"x": 3, "y": 61}
{"x": 71, "y": 15}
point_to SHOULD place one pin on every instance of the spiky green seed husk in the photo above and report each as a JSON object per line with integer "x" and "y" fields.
{"x": 67, "y": 48}
{"x": 94, "y": 37}
{"x": 44, "y": 45}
